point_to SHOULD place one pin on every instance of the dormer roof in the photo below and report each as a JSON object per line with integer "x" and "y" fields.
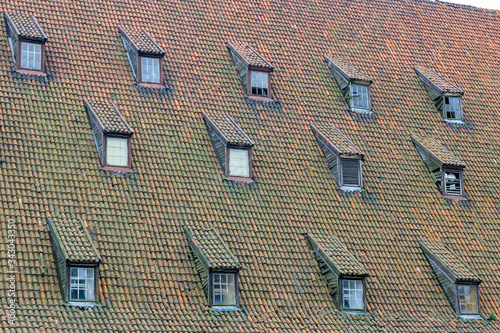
{"x": 210, "y": 249}
{"x": 454, "y": 268}
{"x": 73, "y": 240}
{"x": 436, "y": 81}
{"x": 141, "y": 41}
{"x": 250, "y": 57}
{"x": 336, "y": 255}
{"x": 348, "y": 71}
{"x": 108, "y": 117}
{"x": 227, "y": 130}
{"x": 437, "y": 151}
{"x": 334, "y": 139}
{"x": 25, "y": 26}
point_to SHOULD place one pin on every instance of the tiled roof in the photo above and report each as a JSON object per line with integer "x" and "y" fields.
{"x": 248, "y": 53}
{"x": 109, "y": 117}
{"x": 437, "y": 81}
{"x": 335, "y": 254}
{"x": 215, "y": 253}
{"x": 142, "y": 41}
{"x": 74, "y": 240}
{"x": 26, "y": 26}
{"x": 231, "y": 133}
{"x": 437, "y": 151}
{"x": 347, "y": 69}
{"x": 459, "y": 270}
{"x": 334, "y": 139}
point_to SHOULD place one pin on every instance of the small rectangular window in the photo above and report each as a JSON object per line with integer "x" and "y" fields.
{"x": 82, "y": 284}
{"x": 117, "y": 152}
{"x": 468, "y": 300}
{"x": 239, "y": 165}
{"x": 31, "y": 56}
{"x": 361, "y": 96}
{"x": 350, "y": 173}
{"x": 224, "y": 289}
{"x": 259, "y": 84}
{"x": 150, "y": 70}
{"x": 452, "y": 182}
{"x": 352, "y": 294}
{"x": 453, "y": 108}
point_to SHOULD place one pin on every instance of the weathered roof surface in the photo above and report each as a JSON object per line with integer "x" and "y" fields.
{"x": 336, "y": 254}
{"x": 437, "y": 81}
{"x": 437, "y": 151}
{"x": 334, "y": 139}
{"x": 252, "y": 57}
{"x": 148, "y": 278}
{"x": 438, "y": 251}
{"x": 226, "y": 127}
{"x": 26, "y": 25}
{"x": 142, "y": 41}
{"x": 108, "y": 116}
{"x": 214, "y": 252}
{"x": 74, "y": 240}
{"x": 347, "y": 69}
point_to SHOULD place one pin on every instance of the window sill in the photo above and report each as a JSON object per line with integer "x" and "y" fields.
{"x": 116, "y": 168}
{"x": 260, "y": 98}
{"x": 350, "y": 188}
{"x": 31, "y": 72}
{"x": 356, "y": 312}
{"x": 456, "y": 197}
{"x": 225, "y": 308}
{"x": 453, "y": 121}
{"x": 151, "y": 85}
{"x": 240, "y": 179}
{"x": 471, "y": 316}
{"x": 364, "y": 111}
{"x": 82, "y": 304}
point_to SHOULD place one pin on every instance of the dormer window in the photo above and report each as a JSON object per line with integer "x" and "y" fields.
{"x": 224, "y": 289}
{"x": 468, "y": 299}
{"x": 27, "y": 43}
{"x": 446, "y": 96}
{"x": 446, "y": 169}
{"x": 354, "y": 84}
{"x": 82, "y": 284}
{"x": 112, "y": 135}
{"x": 233, "y": 147}
{"x": 353, "y": 294}
{"x": 342, "y": 156}
{"x": 145, "y": 57}
{"x": 254, "y": 70}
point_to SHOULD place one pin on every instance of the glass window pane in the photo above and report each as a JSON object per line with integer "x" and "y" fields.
{"x": 117, "y": 152}
{"x": 259, "y": 84}
{"x": 82, "y": 287}
{"x": 150, "y": 68}
{"x": 224, "y": 289}
{"x": 31, "y": 55}
{"x": 467, "y": 297}
{"x": 239, "y": 163}
{"x": 353, "y": 294}
{"x": 360, "y": 96}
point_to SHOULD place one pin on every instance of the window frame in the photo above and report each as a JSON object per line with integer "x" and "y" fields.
{"x": 250, "y": 171}
{"x": 350, "y": 100}
{"x": 444, "y": 169}
{"x": 341, "y": 176}
{"x": 139, "y": 71}
{"x": 18, "y": 62}
{"x": 341, "y": 292}
{"x": 249, "y": 83}
{"x": 105, "y": 164}
{"x": 96, "y": 282}
{"x": 444, "y": 115}
{"x": 235, "y": 273}
{"x": 459, "y": 311}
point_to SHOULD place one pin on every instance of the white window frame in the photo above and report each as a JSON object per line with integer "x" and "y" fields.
{"x": 85, "y": 287}
{"x": 224, "y": 288}
{"x": 445, "y": 112}
{"x": 232, "y": 151}
{"x": 25, "y": 65}
{"x": 341, "y": 175}
{"x": 351, "y": 100}
{"x": 127, "y": 157}
{"x": 459, "y": 303}
{"x": 150, "y": 64}
{"x": 444, "y": 181}
{"x": 355, "y": 291}
{"x": 251, "y": 86}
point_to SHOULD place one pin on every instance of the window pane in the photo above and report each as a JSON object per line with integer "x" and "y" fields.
{"x": 467, "y": 297}
{"x": 239, "y": 163}
{"x": 259, "y": 84}
{"x": 82, "y": 286}
{"x": 224, "y": 289}
{"x": 31, "y": 56}
{"x": 353, "y": 294}
{"x": 360, "y": 97}
{"x": 150, "y": 70}
{"x": 117, "y": 152}
{"x": 453, "y": 107}
{"x": 452, "y": 182}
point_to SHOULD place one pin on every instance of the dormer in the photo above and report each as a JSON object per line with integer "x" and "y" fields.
{"x": 446, "y": 169}
{"x": 145, "y": 57}
{"x": 354, "y": 84}
{"x": 343, "y": 158}
{"x": 112, "y": 135}
{"x": 77, "y": 261}
{"x": 217, "y": 266}
{"x": 254, "y": 70}
{"x": 343, "y": 273}
{"x": 232, "y": 146}
{"x": 446, "y": 96}
{"x": 459, "y": 282}
{"x": 27, "y": 43}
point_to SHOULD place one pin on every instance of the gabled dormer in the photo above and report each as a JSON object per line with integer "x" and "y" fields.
{"x": 77, "y": 261}
{"x": 343, "y": 158}
{"x": 217, "y": 266}
{"x": 354, "y": 84}
{"x": 27, "y": 43}
{"x": 112, "y": 135}
{"x": 459, "y": 282}
{"x": 232, "y": 146}
{"x": 145, "y": 56}
{"x": 446, "y": 169}
{"x": 446, "y": 96}
{"x": 254, "y": 70}
{"x": 343, "y": 273}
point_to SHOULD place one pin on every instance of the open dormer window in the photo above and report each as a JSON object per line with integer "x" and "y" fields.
{"x": 354, "y": 84}
{"x": 445, "y": 95}
{"x": 342, "y": 156}
{"x": 145, "y": 56}
{"x": 232, "y": 145}
{"x": 27, "y": 43}
{"x": 254, "y": 70}
{"x": 112, "y": 135}
{"x": 446, "y": 169}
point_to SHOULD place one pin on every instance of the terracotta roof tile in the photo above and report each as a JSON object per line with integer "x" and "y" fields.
{"x": 437, "y": 151}
{"x": 249, "y": 54}
{"x": 27, "y": 26}
{"x": 231, "y": 133}
{"x": 347, "y": 69}
{"x": 142, "y": 41}
{"x": 108, "y": 116}
{"x": 335, "y": 140}
{"x": 437, "y": 81}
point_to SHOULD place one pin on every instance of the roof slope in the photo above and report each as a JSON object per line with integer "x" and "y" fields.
{"x": 108, "y": 117}
{"x": 437, "y": 151}
{"x": 26, "y": 26}
{"x": 437, "y": 81}
{"x": 229, "y": 131}
{"x": 147, "y": 279}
